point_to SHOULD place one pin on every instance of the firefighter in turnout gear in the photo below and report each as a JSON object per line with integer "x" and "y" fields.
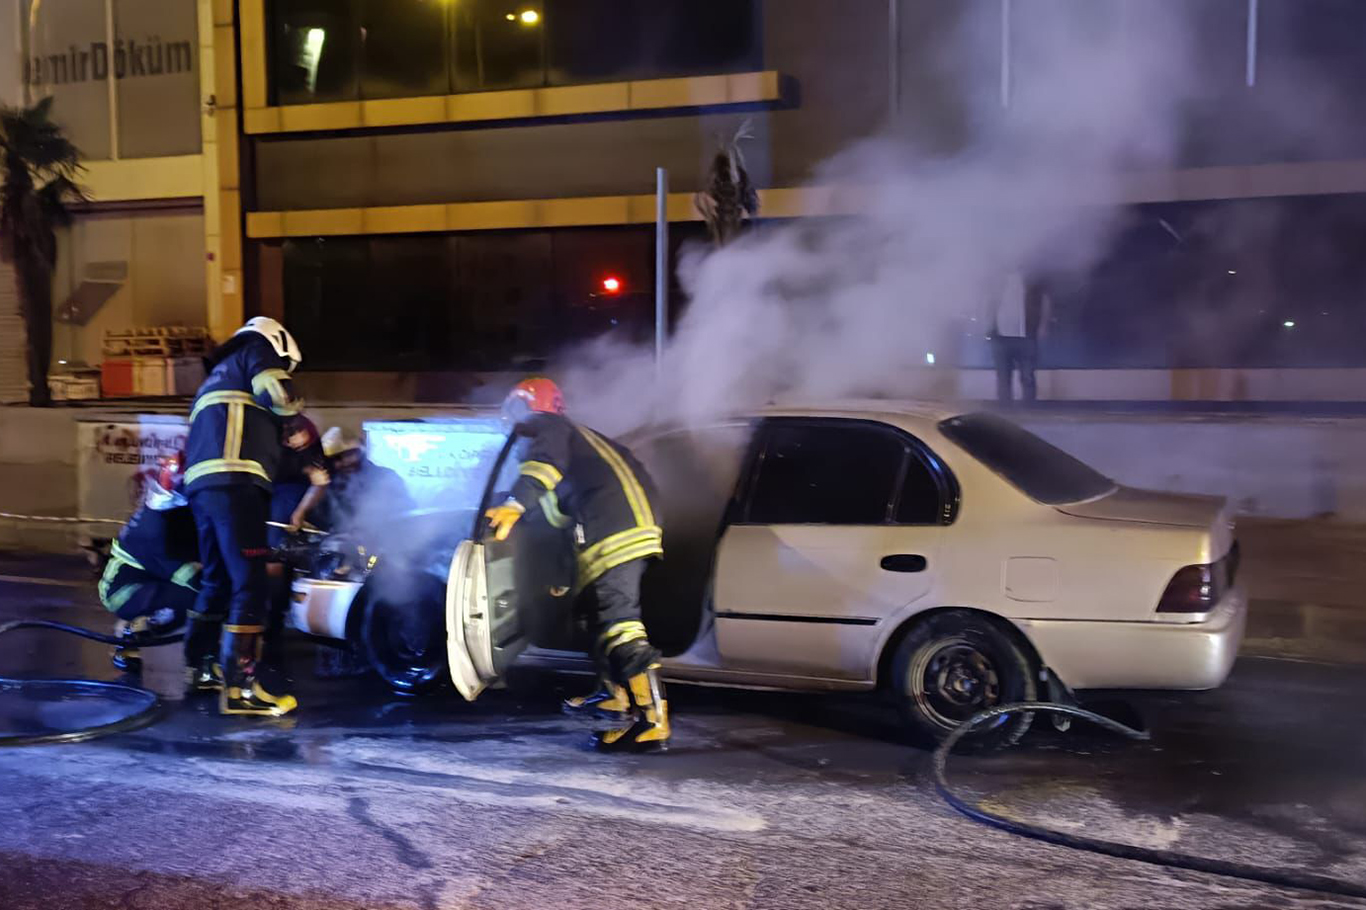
{"x": 233, "y": 453}
{"x": 152, "y": 578}
{"x": 580, "y": 479}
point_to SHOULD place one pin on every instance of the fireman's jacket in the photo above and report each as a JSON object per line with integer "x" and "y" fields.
{"x": 153, "y": 547}
{"x": 234, "y": 423}
{"x": 577, "y": 476}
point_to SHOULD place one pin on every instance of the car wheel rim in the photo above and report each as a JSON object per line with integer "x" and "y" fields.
{"x": 953, "y": 679}
{"x": 406, "y": 656}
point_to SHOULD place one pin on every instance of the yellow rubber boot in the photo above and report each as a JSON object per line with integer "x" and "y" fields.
{"x": 649, "y": 732}
{"x": 608, "y": 702}
{"x": 243, "y": 692}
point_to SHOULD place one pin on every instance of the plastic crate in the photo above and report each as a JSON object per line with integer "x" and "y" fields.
{"x": 149, "y": 376}
{"x": 83, "y": 387}
{"x": 184, "y": 375}
{"x": 116, "y": 378}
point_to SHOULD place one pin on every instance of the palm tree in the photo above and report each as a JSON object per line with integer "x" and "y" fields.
{"x": 38, "y": 168}
{"x": 730, "y": 198}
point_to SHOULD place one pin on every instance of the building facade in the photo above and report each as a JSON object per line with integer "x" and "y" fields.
{"x": 425, "y": 190}
{"x": 133, "y": 84}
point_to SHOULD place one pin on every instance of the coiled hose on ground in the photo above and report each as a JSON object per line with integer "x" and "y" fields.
{"x": 147, "y": 705}
{"x": 1169, "y": 858}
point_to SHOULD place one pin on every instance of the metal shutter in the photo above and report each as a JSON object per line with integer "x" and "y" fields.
{"x": 13, "y": 373}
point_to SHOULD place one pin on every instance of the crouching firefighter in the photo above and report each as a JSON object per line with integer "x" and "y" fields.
{"x": 151, "y": 581}
{"x": 579, "y": 478}
{"x": 233, "y": 452}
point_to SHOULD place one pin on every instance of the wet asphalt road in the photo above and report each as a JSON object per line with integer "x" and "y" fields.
{"x": 776, "y": 801}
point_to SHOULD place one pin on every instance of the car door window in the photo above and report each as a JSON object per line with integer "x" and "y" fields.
{"x": 813, "y": 473}
{"x": 922, "y": 495}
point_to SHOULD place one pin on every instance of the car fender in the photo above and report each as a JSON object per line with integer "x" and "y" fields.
{"x": 897, "y": 626}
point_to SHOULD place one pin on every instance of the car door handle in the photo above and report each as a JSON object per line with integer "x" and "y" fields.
{"x": 904, "y": 562}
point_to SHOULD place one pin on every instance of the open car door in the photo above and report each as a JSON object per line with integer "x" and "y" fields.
{"x": 502, "y": 596}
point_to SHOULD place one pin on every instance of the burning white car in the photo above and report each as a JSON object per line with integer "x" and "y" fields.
{"x": 953, "y": 559}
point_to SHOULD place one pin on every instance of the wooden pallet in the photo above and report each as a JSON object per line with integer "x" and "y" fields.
{"x": 166, "y": 341}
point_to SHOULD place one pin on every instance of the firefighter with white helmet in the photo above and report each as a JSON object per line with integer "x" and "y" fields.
{"x": 232, "y": 456}
{"x": 580, "y": 479}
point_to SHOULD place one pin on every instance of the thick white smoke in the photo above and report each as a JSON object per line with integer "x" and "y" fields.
{"x": 844, "y": 306}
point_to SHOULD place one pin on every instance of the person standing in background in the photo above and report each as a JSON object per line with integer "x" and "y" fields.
{"x": 1016, "y": 320}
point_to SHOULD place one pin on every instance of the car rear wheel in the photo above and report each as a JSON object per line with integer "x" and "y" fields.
{"x": 953, "y": 665}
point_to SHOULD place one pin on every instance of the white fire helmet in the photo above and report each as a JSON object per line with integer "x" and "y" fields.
{"x": 278, "y": 336}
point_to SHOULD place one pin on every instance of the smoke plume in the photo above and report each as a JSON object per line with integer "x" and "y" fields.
{"x": 860, "y": 303}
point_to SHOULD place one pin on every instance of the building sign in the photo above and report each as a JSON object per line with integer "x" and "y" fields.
{"x": 146, "y": 51}
{"x": 149, "y": 57}
{"x": 115, "y": 459}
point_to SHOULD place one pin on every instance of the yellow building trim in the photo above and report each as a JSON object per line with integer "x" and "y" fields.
{"x": 230, "y": 240}
{"x": 172, "y": 177}
{"x": 224, "y": 67}
{"x": 583, "y": 211}
{"x": 402, "y": 111}
{"x": 261, "y": 120}
{"x": 252, "y": 29}
{"x": 518, "y": 104}
{"x": 340, "y": 115}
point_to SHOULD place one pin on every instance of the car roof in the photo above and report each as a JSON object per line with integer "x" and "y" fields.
{"x": 874, "y": 408}
{"x": 883, "y": 409}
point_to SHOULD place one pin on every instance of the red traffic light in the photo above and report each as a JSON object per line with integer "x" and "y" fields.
{"x": 611, "y": 285}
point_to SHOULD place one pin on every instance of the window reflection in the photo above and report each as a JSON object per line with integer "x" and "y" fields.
{"x": 334, "y": 50}
{"x": 315, "y": 45}
{"x": 404, "y": 49}
{"x": 493, "y": 300}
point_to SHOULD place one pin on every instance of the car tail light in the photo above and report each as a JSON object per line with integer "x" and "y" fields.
{"x": 1196, "y": 589}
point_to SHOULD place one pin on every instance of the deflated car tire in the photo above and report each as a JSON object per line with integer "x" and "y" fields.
{"x": 954, "y": 664}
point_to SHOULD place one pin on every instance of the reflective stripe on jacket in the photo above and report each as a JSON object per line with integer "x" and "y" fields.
{"x": 575, "y": 475}
{"x": 234, "y": 422}
{"x": 153, "y": 546}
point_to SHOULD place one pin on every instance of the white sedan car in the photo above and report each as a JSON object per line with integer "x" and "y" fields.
{"x": 955, "y": 560}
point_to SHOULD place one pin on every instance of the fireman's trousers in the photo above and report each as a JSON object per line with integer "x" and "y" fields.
{"x": 616, "y": 595}
{"x": 231, "y": 522}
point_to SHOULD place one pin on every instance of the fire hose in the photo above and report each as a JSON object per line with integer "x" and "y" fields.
{"x": 149, "y": 706}
{"x": 1166, "y": 858}
{"x": 1169, "y": 858}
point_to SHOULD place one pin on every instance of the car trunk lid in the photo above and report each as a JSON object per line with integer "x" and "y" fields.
{"x": 1182, "y": 510}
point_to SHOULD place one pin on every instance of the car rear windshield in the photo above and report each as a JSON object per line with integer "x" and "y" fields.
{"x": 1041, "y": 471}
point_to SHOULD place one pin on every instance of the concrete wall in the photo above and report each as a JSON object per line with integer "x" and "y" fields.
{"x": 1269, "y": 466}
{"x": 164, "y": 252}
{"x": 1282, "y": 467}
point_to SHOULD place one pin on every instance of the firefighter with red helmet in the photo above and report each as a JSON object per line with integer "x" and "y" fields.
{"x": 152, "y": 578}
{"x": 580, "y": 479}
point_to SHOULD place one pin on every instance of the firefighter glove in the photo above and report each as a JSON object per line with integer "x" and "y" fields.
{"x": 502, "y": 518}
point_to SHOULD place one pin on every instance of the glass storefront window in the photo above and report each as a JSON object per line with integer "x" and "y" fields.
{"x": 705, "y": 36}
{"x": 504, "y": 312}
{"x": 498, "y": 300}
{"x": 499, "y": 44}
{"x": 594, "y": 40}
{"x": 605, "y": 280}
{"x": 340, "y": 50}
{"x": 404, "y": 48}
{"x": 315, "y": 50}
